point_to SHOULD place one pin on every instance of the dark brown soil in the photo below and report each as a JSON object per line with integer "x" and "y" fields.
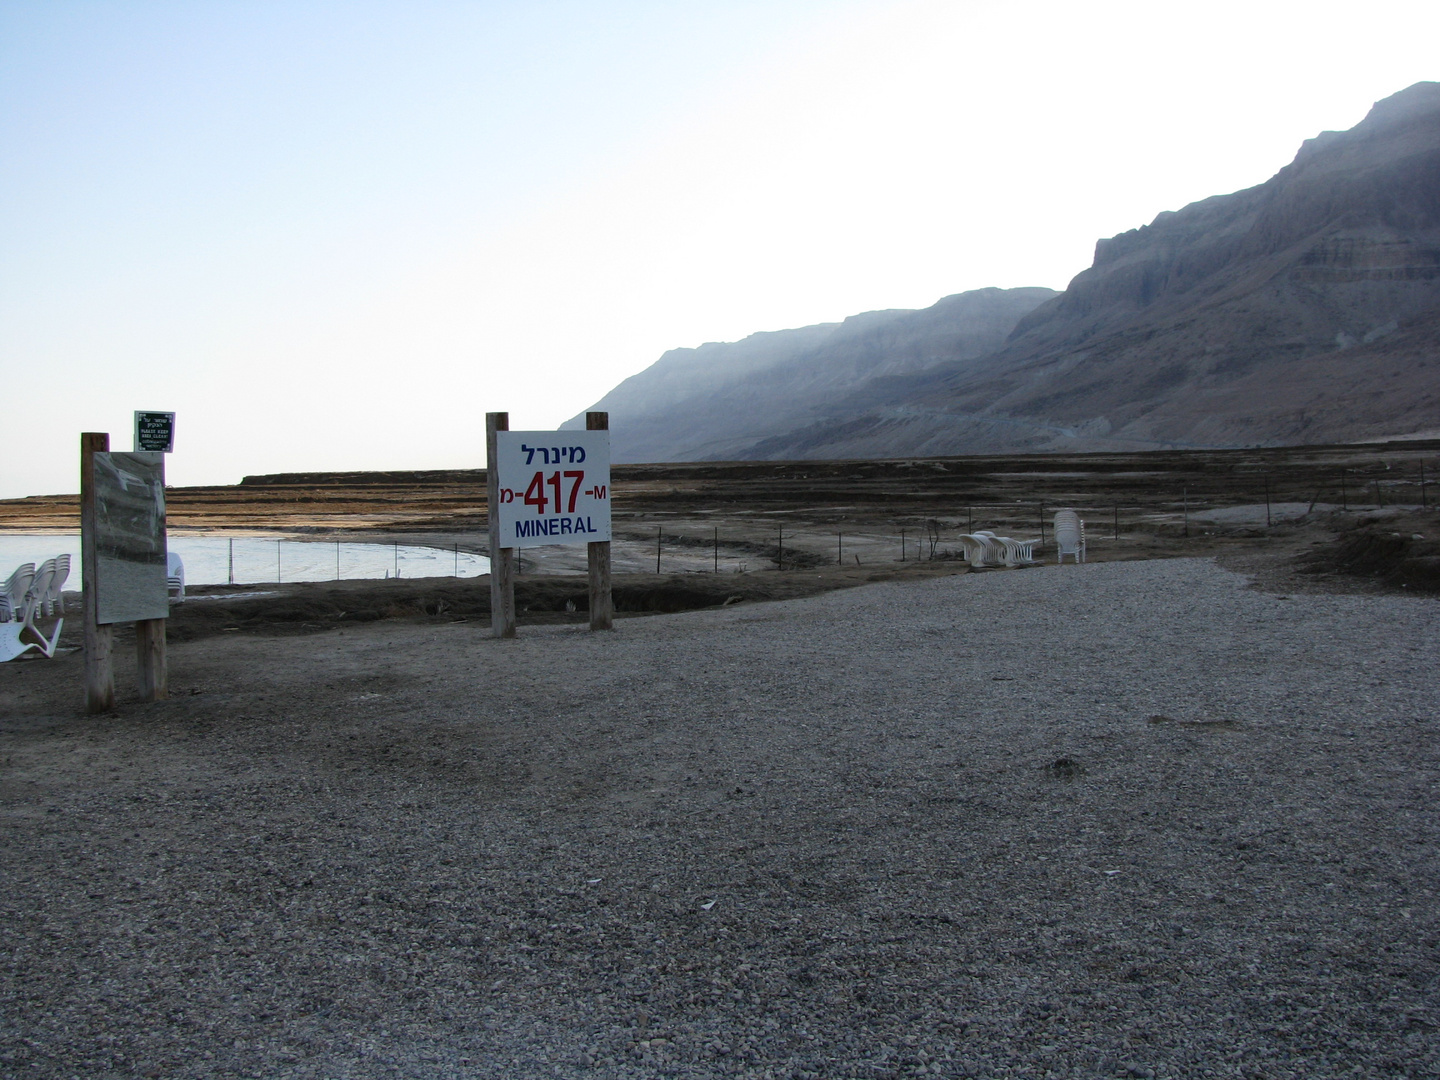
{"x": 1398, "y": 550}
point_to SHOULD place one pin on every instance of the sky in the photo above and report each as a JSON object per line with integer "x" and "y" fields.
{"x": 332, "y": 235}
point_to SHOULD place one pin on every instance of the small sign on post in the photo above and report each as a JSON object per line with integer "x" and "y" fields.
{"x": 155, "y": 431}
{"x": 547, "y": 487}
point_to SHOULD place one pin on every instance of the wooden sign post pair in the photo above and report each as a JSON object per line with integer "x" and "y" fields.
{"x": 122, "y": 558}
{"x": 555, "y": 491}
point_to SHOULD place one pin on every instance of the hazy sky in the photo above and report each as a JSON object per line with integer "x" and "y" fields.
{"x": 331, "y": 235}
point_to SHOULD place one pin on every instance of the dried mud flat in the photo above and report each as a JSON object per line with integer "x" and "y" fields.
{"x": 1126, "y": 819}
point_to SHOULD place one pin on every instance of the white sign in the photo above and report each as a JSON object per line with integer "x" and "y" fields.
{"x": 554, "y": 487}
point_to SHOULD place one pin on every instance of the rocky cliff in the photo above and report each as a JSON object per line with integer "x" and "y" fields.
{"x": 1306, "y": 309}
{"x": 719, "y": 400}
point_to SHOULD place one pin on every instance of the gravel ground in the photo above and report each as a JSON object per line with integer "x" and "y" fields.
{"x": 1126, "y": 819}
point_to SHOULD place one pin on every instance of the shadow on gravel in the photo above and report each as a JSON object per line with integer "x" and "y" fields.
{"x": 311, "y": 607}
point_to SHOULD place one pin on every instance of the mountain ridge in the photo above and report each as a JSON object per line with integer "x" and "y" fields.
{"x": 1302, "y": 309}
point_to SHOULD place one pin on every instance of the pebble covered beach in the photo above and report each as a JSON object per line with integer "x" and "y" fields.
{"x": 1125, "y": 819}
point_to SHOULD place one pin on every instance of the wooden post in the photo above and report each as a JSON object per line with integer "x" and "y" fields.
{"x": 1424, "y": 503}
{"x": 1267, "y": 503}
{"x": 717, "y": 549}
{"x": 502, "y": 560}
{"x": 597, "y": 555}
{"x": 1117, "y": 523}
{"x": 839, "y": 549}
{"x": 1185, "y": 496}
{"x": 659, "y": 539}
{"x": 1344, "y": 495}
{"x": 1042, "y": 524}
{"x": 780, "y": 550}
{"x": 902, "y": 545}
{"x": 99, "y": 671}
{"x": 152, "y": 675}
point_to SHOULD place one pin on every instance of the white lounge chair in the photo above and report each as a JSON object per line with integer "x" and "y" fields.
{"x": 1069, "y": 536}
{"x": 175, "y": 577}
{"x": 14, "y": 591}
{"x": 56, "y": 603}
{"x": 12, "y": 612}
{"x": 1018, "y": 552}
{"x": 40, "y": 601}
{"x": 38, "y": 595}
{"x": 1000, "y": 551}
{"x": 975, "y": 549}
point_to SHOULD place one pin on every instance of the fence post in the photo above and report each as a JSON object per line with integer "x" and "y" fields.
{"x": 99, "y": 669}
{"x": 1267, "y": 502}
{"x": 502, "y": 560}
{"x": 597, "y": 556}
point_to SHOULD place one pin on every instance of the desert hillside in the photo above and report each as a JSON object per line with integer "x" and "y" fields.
{"x": 1303, "y": 310}
{"x": 715, "y": 402}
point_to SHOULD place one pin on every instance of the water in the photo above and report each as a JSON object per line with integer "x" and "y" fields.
{"x": 208, "y": 559}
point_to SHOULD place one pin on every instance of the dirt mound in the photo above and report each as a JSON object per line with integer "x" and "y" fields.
{"x": 1401, "y": 549}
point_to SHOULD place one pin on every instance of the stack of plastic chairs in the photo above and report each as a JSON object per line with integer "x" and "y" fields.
{"x": 14, "y": 592}
{"x": 984, "y": 548}
{"x": 54, "y": 604}
{"x": 30, "y": 594}
{"x": 1069, "y": 536}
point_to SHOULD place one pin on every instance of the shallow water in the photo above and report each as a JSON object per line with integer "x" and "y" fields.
{"x": 209, "y": 559}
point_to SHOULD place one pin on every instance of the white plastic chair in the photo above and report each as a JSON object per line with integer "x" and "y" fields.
{"x": 1069, "y": 536}
{"x": 54, "y": 603}
{"x": 37, "y": 597}
{"x": 996, "y": 551}
{"x": 40, "y": 600}
{"x": 175, "y": 577}
{"x": 1018, "y": 552}
{"x": 978, "y": 550}
{"x": 13, "y": 592}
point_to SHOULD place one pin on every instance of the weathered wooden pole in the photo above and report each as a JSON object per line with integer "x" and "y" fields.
{"x": 152, "y": 675}
{"x": 502, "y": 560}
{"x": 597, "y": 555}
{"x": 99, "y": 670}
